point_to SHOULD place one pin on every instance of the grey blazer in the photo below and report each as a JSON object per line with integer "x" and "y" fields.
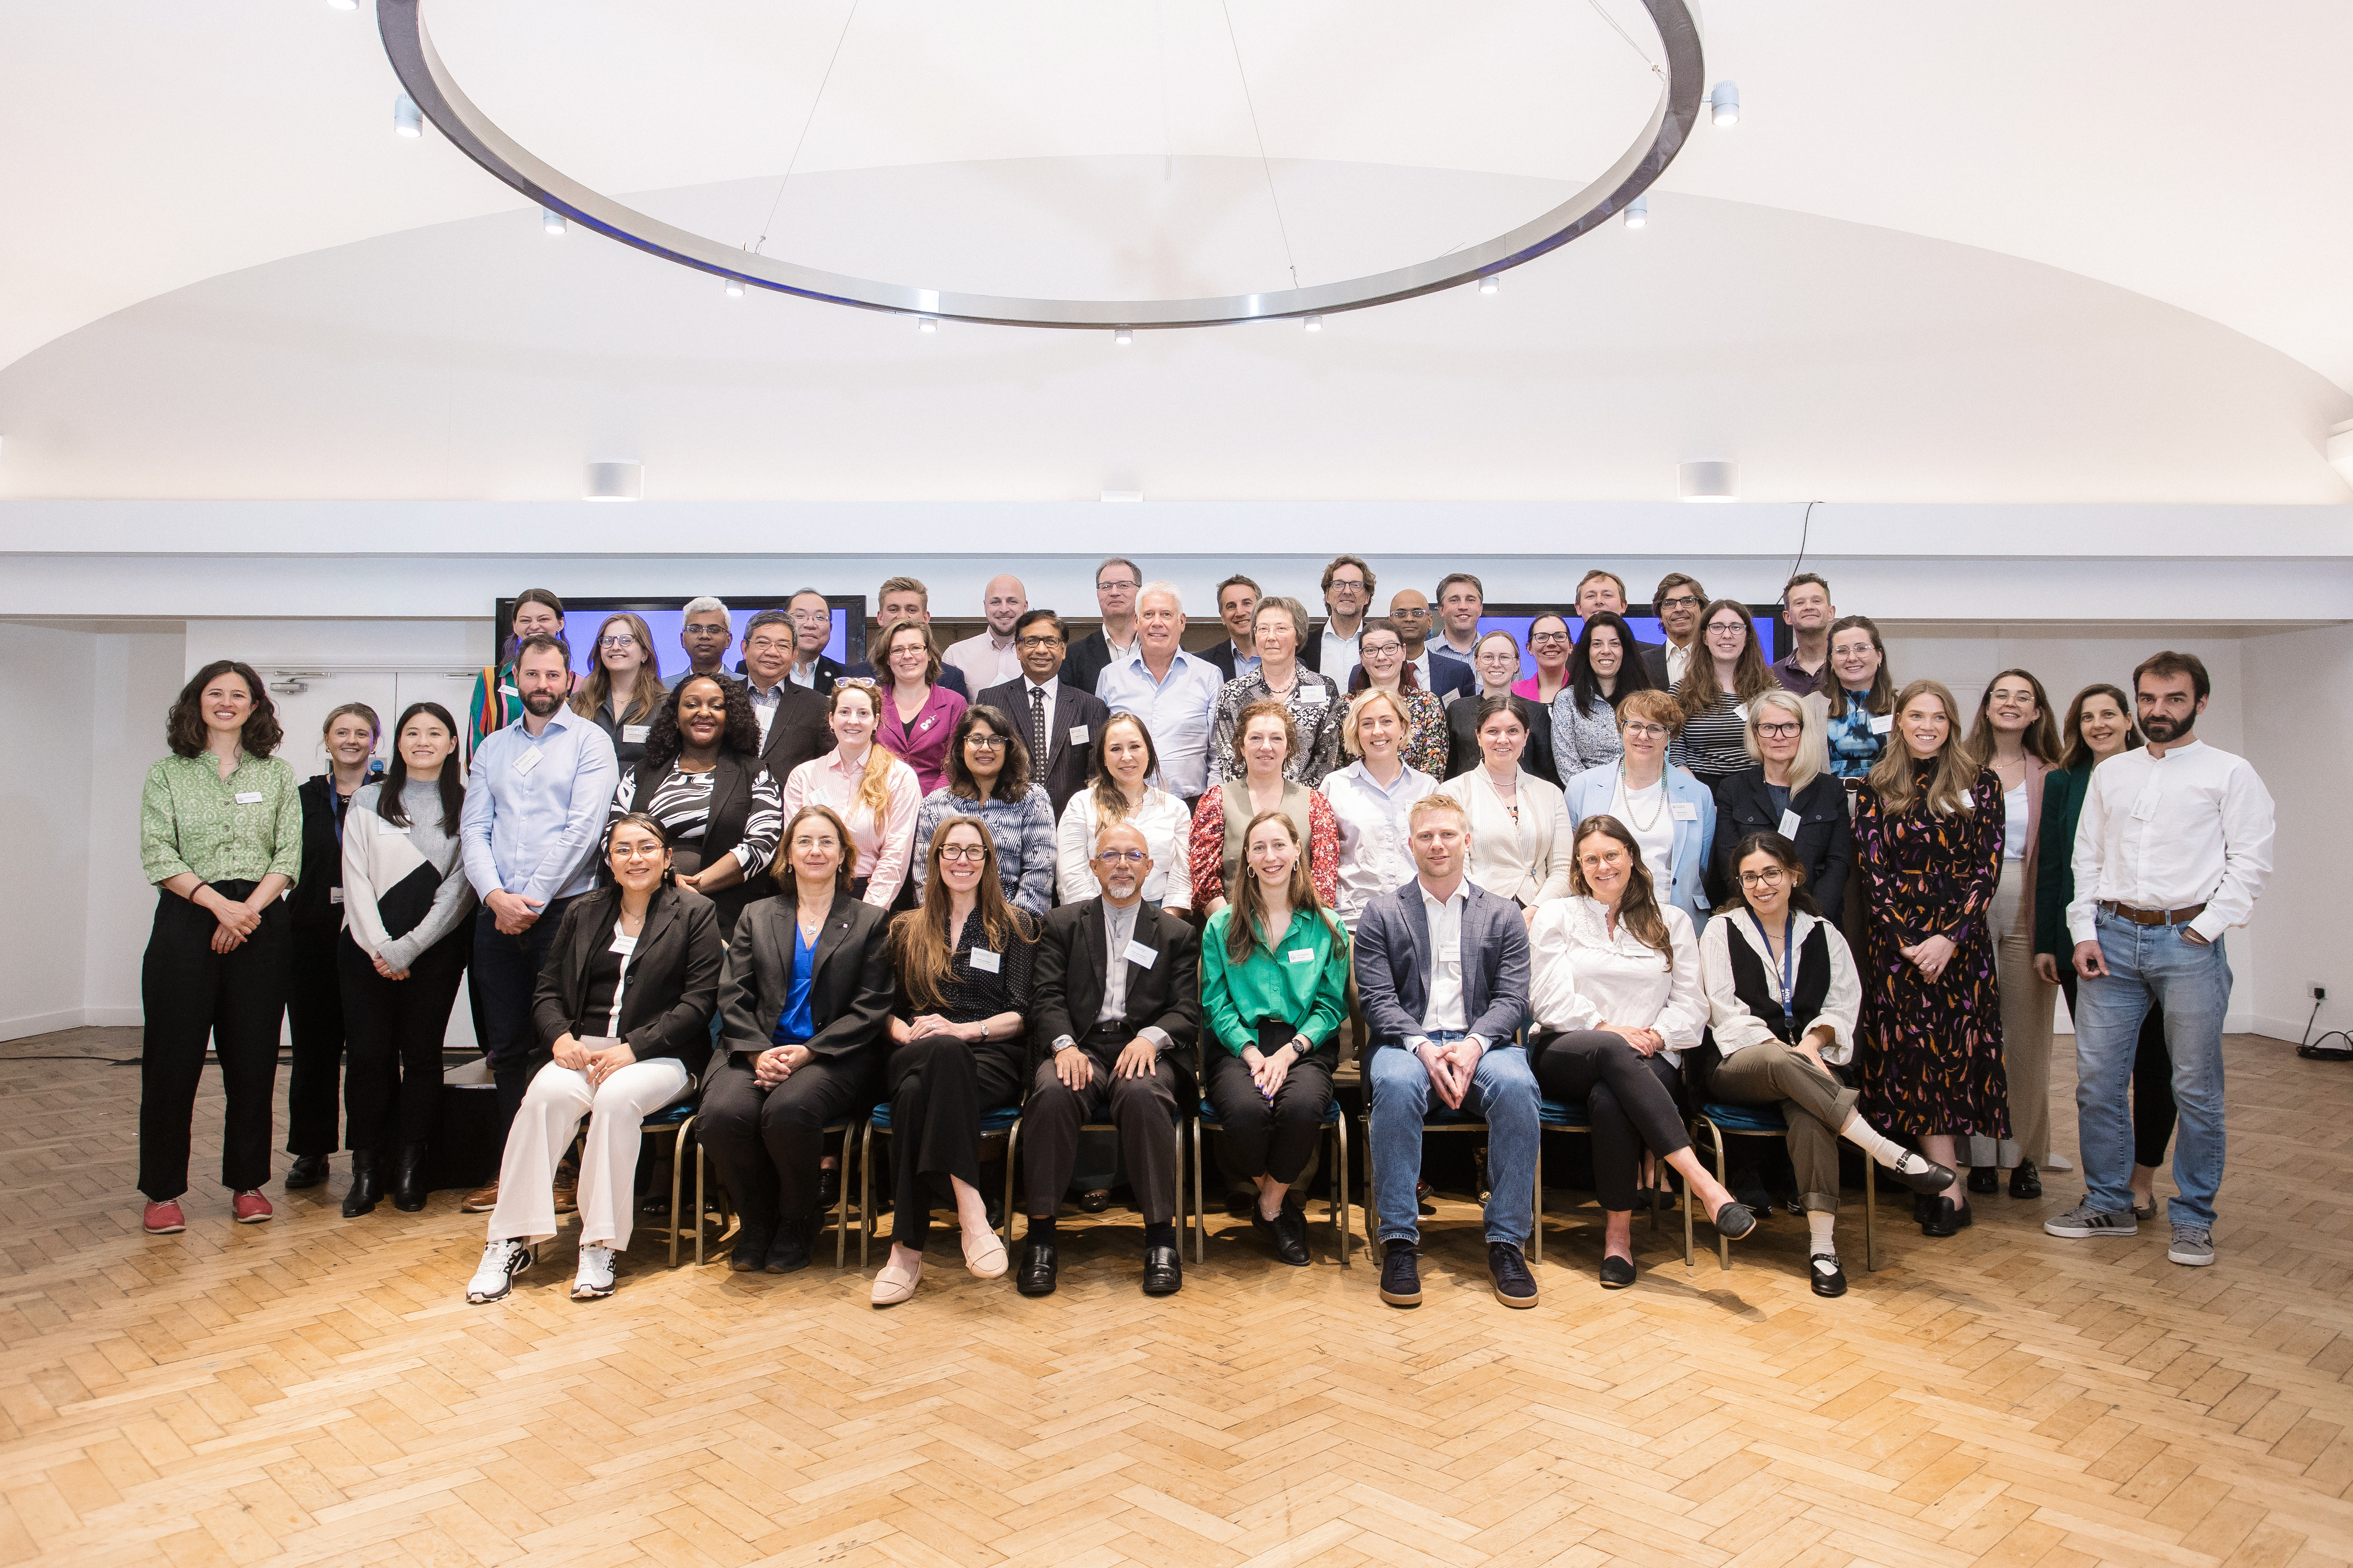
{"x": 1393, "y": 965}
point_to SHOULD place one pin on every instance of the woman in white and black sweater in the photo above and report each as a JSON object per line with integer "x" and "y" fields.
{"x": 406, "y": 933}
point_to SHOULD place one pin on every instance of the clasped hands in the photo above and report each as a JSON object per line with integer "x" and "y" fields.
{"x": 596, "y": 1066}
{"x": 777, "y": 1063}
{"x": 1646, "y": 1042}
{"x": 1930, "y": 957}
{"x": 1450, "y": 1067}
{"x": 1269, "y": 1071}
{"x": 237, "y": 921}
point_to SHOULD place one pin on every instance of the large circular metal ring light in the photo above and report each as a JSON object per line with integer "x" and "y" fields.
{"x": 428, "y": 81}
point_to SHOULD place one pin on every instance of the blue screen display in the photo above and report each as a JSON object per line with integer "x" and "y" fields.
{"x": 1645, "y": 628}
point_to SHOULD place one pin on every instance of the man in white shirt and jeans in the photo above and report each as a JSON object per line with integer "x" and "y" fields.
{"x": 2171, "y": 852}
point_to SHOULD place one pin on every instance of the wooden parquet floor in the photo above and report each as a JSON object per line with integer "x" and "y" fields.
{"x": 316, "y": 1390}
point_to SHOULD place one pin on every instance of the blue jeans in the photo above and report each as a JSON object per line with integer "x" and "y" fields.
{"x": 506, "y": 974}
{"x": 1502, "y": 1093}
{"x": 2152, "y": 965}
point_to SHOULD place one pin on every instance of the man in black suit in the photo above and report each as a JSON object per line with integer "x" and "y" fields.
{"x": 1237, "y": 654}
{"x": 812, "y": 669}
{"x": 1058, "y": 721}
{"x": 793, "y": 728}
{"x": 1114, "y": 1010}
{"x": 1116, "y": 581}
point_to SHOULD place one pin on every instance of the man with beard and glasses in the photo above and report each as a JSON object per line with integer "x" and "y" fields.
{"x": 535, "y": 806}
{"x": 2171, "y": 851}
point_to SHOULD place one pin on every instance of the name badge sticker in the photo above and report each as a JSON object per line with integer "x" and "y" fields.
{"x": 1789, "y": 820}
{"x": 1313, "y": 696}
{"x": 2144, "y": 808}
{"x": 988, "y": 962}
{"x": 1683, "y": 810}
{"x": 509, "y": 690}
{"x": 248, "y": 797}
{"x": 335, "y": 895}
{"x": 528, "y": 761}
{"x": 1301, "y": 955}
{"x": 1140, "y": 956}
{"x": 634, "y": 734}
{"x": 623, "y": 945}
{"x": 1882, "y": 723}
{"x": 1077, "y": 735}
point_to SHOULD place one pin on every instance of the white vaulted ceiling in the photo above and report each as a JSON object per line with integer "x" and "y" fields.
{"x": 2004, "y": 250}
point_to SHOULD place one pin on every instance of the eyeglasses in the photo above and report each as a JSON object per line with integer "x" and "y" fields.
{"x": 1779, "y": 731}
{"x": 1538, "y": 638}
{"x": 812, "y": 617}
{"x": 964, "y": 851}
{"x": 1366, "y": 649}
{"x": 1765, "y": 878}
{"x": 1037, "y": 642}
{"x": 1727, "y": 629}
{"x": 1355, "y": 583}
{"x": 1680, "y": 602}
{"x": 622, "y": 640}
{"x": 1396, "y": 613}
{"x": 705, "y": 629}
{"x": 985, "y": 743}
{"x": 1122, "y": 857}
{"x": 1648, "y": 732}
{"x": 638, "y": 852}
{"x": 1117, "y": 585}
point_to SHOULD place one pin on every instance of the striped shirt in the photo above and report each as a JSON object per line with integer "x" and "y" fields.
{"x": 681, "y": 804}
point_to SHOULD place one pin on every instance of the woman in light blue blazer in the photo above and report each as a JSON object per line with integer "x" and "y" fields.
{"x": 1671, "y": 813}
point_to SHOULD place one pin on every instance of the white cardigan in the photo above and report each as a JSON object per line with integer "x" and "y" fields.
{"x": 1582, "y": 975}
{"x": 1167, "y": 829}
{"x": 1735, "y": 1026}
{"x": 1527, "y": 859}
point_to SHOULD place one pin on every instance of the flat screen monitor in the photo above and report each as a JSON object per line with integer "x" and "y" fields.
{"x": 665, "y": 617}
{"x": 1772, "y": 635}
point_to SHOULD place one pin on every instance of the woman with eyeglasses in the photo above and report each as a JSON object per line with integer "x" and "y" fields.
{"x": 1549, "y": 641}
{"x": 1266, "y": 735}
{"x": 1862, "y": 701}
{"x": 1125, "y": 760}
{"x": 1669, "y": 814}
{"x": 1382, "y": 666}
{"x": 1789, "y": 791}
{"x": 1496, "y": 661}
{"x": 988, "y": 778}
{"x": 963, "y": 960}
{"x": 1603, "y": 672}
{"x": 624, "y": 686}
{"x": 1783, "y": 996}
{"x": 1726, "y": 674}
{"x": 918, "y": 714}
{"x": 700, "y": 776}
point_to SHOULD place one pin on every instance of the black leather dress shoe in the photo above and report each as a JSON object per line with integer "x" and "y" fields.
{"x": 1984, "y": 1180}
{"x": 1284, "y": 1234}
{"x": 1924, "y": 1208}
{"x": 789, "y": 1253}
{"x": 1829, "y": 1278}
{"x": 1617, "y": 1273}
{"x": 1401, "y": 1275}
{"x": 307, "y": 1171}
{"x": 1038, "y": 1267}
{"x": 2025, "y": 1181}
{"x": 1734, "y": 1220}
{"x": 1164, "y": 1270}
{"x": 829, "y": 1186}
{"x": 1514, "y": 1286}
{"x": 1948, "y": 1220}
{"x": 1095, "y": 1202}
{"x": 1923, "y": 1175}
{"x": 750, "y": 1252}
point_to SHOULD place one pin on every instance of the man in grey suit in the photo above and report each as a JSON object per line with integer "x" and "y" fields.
{"x": 1442, "y": 965}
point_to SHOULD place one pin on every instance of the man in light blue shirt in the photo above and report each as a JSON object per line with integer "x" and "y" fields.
{"x": 536, "y": 800}
{"x": 1175, "y": 693}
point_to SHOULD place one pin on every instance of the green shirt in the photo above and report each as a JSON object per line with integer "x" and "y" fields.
{"x": 1309, "y": 992}
{"x": 235, "y": 829}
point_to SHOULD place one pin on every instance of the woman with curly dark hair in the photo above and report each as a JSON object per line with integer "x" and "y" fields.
{"x": 220, "y": 834}
{"x": 702, "y": 780}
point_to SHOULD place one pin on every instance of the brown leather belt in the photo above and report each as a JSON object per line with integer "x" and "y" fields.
{"x": 2152, "y": 917}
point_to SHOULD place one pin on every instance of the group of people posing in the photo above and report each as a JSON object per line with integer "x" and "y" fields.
{"x": 1099, "y": 881}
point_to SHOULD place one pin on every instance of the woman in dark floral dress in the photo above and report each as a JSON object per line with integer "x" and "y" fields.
{"x": 1928, "y": 833}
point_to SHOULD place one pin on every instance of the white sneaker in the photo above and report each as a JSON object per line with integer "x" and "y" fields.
{"x": 2055, "y": 1163}
{"x": 501, "y": 1260}
{"x": 596, "y": 1277}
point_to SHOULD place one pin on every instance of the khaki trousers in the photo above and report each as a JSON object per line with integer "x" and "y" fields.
{"x": 1811, "y": 1100}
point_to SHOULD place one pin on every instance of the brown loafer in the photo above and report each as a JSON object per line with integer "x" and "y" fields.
{"x": 568, "y": 1194}
{"x": 482, "y": 1202}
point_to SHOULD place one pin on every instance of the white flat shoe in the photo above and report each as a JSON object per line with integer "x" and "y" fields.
{"x": 985, "y": 1258}
{"x": 890, "y": 1287}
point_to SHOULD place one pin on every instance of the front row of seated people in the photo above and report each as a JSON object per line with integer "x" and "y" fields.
{"x": 829, "y": 1006}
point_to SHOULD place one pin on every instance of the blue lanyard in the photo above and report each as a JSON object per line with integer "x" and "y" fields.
{"x": 1788, "y": 958}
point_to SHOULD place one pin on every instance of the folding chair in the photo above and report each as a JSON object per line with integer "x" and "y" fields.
{"x": 1558, "y": 1116}
{"x": 1176, "y": 1136}
{"x": 1002, "y": 1122}
{"x": 1333, "y": 1122}
{"x": 1766, "y": 1122}
{"x": 841, "y": 1211}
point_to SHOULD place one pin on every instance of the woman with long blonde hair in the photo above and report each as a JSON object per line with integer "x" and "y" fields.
{"x": 876, "y": 795}
{"x": 624, "y": 686}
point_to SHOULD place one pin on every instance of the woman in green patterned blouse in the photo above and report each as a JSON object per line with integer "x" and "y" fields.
{"x": 220, "y": 834}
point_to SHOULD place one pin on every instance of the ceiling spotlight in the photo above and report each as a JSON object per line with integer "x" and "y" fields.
{"x": 1312, "y": 323}
{"x": 1487, "y": 284}
{"x": 552, "y": 222}
{"x": 734, "y": 288}
{"x": 408, "y": 120}
{"x": 615, "y": 481}
{"x": 345, "y": 5}
{"x": 1723, "y": 103}
{"x": 927, "y": 323}
{"x": 1123, "y": 337}
{"x": 1708, "y": 481}
{"x": 1638, "y": 212}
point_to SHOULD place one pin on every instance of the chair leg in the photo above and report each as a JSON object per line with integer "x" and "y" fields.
{"x": 697, "y": 1203}
{"x": 677, "y": 1152}
{"x": 1012, "y": 1149}
{"x": 1372, "y": 1192}
{"x": 1870, "y": 1215}
{"x": 865, "y": 1191}
{"x": 1340, "y": 1183}
{"x": 1200, "y": 1209}
{"x": 1723, "y": 1176}
{"x": 841, "y": 1208}
{"x": 1535, "y": 1230}
{"x": 1176, "y": 1141}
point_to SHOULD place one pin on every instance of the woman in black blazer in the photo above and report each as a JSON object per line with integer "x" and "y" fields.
{"x": 623, "y": 1011}
{"x": 314, "y": 1001}
{"x": 700, "y": 778}
{"x": 804, "y": 1012}
{"x": 1790, "y": 792}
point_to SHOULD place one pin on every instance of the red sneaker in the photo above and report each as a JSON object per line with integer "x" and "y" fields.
{"x": 252, "y": 1208}
{"x": 165, "y": 1219}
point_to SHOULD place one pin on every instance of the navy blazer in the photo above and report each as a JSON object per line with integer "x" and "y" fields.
{"x": 1393, "y": 965}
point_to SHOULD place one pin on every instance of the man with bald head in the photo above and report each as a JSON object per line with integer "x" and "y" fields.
{"x": 988, "y": 658}
{"x": 1114, "y": 1009}
{"x": 1439, "y": 673}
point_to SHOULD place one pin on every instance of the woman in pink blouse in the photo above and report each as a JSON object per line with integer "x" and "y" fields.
{"x": 1549, "y": 639}
{"x": 873, "y": 792}
{"x": 919, "y": 715}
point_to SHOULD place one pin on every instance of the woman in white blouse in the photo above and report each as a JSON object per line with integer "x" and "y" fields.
{"x": 1615, "y": 988}
{"x": 1125, "y": 759}
{"x": 1782, "y": 996}
{"x": 1370, "y": 798}
{"x": 875, "y": 795}
{"x": 1519, "y": 824}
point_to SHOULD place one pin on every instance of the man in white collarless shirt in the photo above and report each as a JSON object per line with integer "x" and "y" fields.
{"x": 2172, "y": 850}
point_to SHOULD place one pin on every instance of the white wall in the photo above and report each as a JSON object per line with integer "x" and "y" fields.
{"x": 45, "y": 800}
{"x": 137, "y": 675}
{"x": 2297, "y": 735}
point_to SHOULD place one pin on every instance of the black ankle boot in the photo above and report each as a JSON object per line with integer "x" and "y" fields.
{"x": 367, "y": 1185}
{"x": 408, "y": 1189}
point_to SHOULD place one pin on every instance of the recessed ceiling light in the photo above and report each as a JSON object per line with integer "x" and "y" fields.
{"x": 734, "y": 288}
{"x": 623, "y": 480}
{"x": 1723, "y": 103}
{"x": 1708, "y": 481}
{"x": 1638, "y": 212}
{"x": 408, "y": 120}
{"x": 927, "y": 323}
{"x": 1312, "y": 323}
{"x": 345, "y": 5}
{"x": 1487, "y": 284}
{"x": 552, "y": 222}
{"x": 1123, "y": 337}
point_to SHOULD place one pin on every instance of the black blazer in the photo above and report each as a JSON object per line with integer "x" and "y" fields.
{"x": 1223, "y": 655}
{"x": 797, "y": 731}
{"x": 730, "y": 806}
{"x": 1743, "y": 804}
{"x": 850, "y": 989}
{"x": 628, "y": 753}
{"x": 1086, "y": 661}
{"x": 1067, "y": 988}
{"x": 1462, "y": 738}
{"x": 311, "y": 906}
{"x": 1653, "y": 655}
{"x": 671, "y": 982}
{"x": 1064, "y": 769}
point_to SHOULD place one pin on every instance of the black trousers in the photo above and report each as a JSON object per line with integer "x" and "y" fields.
{"x": 314, "y": 1022}
{"x": 1630, "y": 1098}
{"x": 191, "y": 993}
{"x": 394, "y": 1029}
{"x": 1144, "y": 1108}
{"x": 506, "y": 971}
{"x": 1276, "y": 1138}
{"x": 2152, "y": 1079}
{"x": 767, "y": 1142}
{"x": 938, "y": 1088}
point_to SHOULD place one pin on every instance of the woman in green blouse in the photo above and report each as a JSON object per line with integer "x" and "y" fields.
{"x": 220, "y": 834}
{"x": 1274, "y": 983}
